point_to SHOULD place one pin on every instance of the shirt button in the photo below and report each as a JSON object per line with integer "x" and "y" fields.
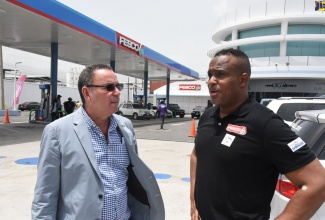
{"x": 219, "y": 123}
{"x": 100, "y": 196}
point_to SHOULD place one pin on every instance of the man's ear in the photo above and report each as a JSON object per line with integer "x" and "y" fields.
{"x": 85, "y": 92}
{"x": 244, "y": 79}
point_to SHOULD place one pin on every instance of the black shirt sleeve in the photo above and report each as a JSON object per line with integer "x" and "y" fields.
{"x": 284, "y": 148}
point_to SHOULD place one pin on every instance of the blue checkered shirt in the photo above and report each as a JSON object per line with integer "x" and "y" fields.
{"x": 112, "y": 159}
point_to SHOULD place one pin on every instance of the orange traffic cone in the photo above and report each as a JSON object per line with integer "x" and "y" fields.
{"x": 193, "y": 132}
{"x": 6, "y": 119}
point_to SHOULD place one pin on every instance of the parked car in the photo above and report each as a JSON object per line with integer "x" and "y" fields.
{"x": 127, "y": 109}
{"x": 198, "y": 111}
{"x": 310, "y": 126}
{"x": 176, "y": 110}
{"x": 140, "y": 106}
{"x": 265, "y": 102}
{"x": 29, "y": 106}
{"x": 286, "y": 107}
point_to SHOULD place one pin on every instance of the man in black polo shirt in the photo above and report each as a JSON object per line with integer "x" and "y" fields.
{"x": 240, "y": 149}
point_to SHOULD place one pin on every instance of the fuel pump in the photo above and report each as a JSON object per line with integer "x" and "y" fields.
{"x": 43, "y": 111}
{"x": 138, "y": 99}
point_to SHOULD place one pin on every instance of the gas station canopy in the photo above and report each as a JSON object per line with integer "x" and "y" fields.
{"x": 33, "y": 25}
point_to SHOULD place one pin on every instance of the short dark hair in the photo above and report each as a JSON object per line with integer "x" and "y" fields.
{"x": 87, "y": 75}
{"x": 240, "y": 55}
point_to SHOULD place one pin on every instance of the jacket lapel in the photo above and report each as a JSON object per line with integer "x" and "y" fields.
{"x": 83, "y": 135}
{"x": 127, "y": 135}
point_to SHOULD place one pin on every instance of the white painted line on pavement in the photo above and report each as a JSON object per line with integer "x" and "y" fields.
{"x": 177, "y": 124}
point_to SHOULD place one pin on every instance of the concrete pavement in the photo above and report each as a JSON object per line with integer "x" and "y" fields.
{"x": 169, "y": 160}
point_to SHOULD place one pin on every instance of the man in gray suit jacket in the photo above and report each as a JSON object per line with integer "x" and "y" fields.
{"x": 88, "y": 164}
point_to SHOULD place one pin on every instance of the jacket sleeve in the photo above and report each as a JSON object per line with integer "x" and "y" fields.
{"x": 47, "y": 187}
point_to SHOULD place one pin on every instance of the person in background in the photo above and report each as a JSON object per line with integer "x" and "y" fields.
{"x": 88, "y": 166}
{"x": 60, "y": 114}
{"x": 240, "y": 149}
{"x": 162, "y": 112}
{"x": 149, "y": 106}
{"x": 78, "y": 104}
{"x": 54, "y": 109}
{"x": 69, "y": 105}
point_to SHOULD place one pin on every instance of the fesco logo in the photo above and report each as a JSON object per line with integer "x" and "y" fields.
{"x": 131, "y": 45}
{"x": 319, "y": 5}
{"x": 196, "y": 87}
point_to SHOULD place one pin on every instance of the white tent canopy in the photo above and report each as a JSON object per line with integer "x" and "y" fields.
{"x": 185, "y": 88}
{"x": 187, "y": 94}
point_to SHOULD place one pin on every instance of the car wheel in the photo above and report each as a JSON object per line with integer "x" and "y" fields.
{"x": 135, "y": 116}
{"x": 181, "y": 116}
{"x": 192, "y": 116}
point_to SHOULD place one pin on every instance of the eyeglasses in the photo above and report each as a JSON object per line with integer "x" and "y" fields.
{"x": 109, "y": 87}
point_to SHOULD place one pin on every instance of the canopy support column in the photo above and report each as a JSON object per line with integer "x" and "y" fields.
{"x": 167, "y": 87}
{"x": 54, "y": 70}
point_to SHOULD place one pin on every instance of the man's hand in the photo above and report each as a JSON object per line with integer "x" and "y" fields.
{"x": 194, "y": 212}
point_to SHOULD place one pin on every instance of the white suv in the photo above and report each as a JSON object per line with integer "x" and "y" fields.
{"x": 127, "y": 109}
{"x": 310, "y": 126}
{"x": 286, "y": 107}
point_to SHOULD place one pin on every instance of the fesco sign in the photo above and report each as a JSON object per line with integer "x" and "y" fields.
{"x": 130, "y": 44}
{"x": 195, "y": 87}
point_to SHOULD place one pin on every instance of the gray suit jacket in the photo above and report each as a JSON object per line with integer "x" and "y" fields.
{"x": 69, "y": 185}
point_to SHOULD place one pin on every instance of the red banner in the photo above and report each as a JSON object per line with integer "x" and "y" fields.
{"x": 19, "y": 87}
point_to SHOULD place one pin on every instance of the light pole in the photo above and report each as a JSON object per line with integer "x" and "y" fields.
{"x": 15, "y": 84}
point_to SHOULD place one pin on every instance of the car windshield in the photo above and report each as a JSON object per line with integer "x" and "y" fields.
{"x": 174, "y": 106}
{"x": 199, "y": 108}
{"x": 313, "y": 134}
{"x": 137, "y": 106}
{"x": 287, "y": 110}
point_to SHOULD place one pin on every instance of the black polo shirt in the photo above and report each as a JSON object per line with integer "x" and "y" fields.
{"x": 239, "y": 158}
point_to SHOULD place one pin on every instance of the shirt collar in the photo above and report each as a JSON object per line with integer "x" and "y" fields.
{"x": 245, "y": 107}
{"x": 91, "y": 123}
{"x": 241, "y": 111}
